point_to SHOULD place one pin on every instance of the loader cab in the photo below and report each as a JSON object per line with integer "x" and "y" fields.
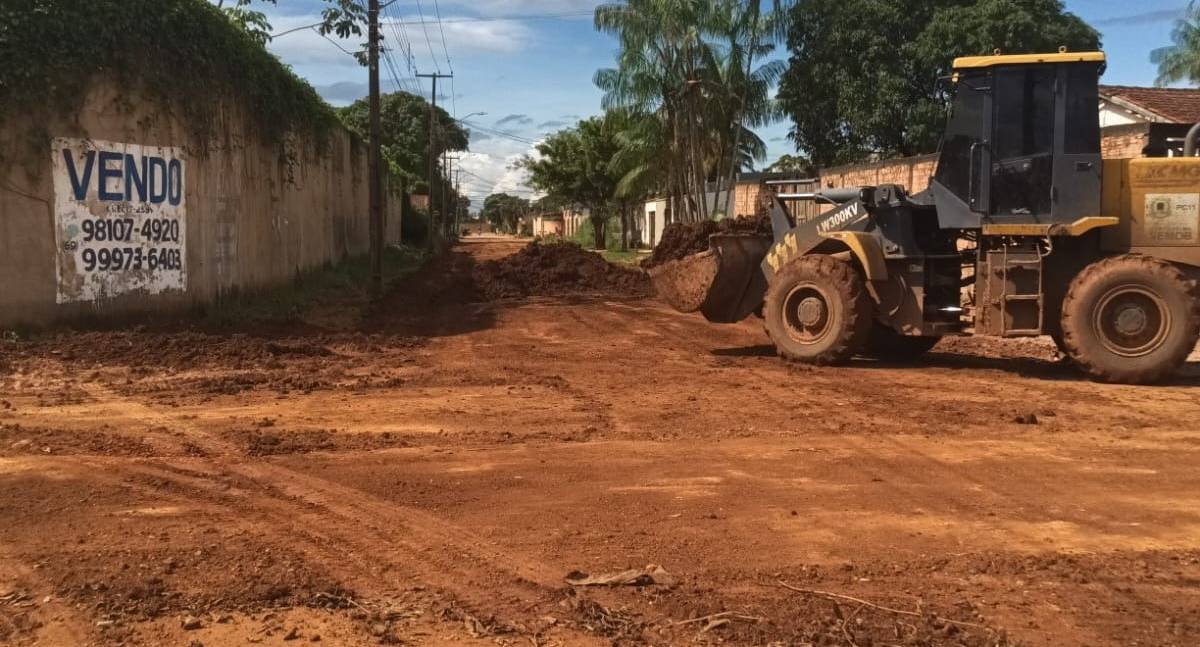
{"x": 1023, "y": 142}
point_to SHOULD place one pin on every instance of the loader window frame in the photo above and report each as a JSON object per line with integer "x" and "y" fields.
{"x": 959, "y": 164}
{"x": 1024, "y": 118}
{"x": 1082, "y": 136}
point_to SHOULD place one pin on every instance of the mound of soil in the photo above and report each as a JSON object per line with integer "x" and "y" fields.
{"x": 17, "y": 440}
{"x": 680, "y": 240}
{"x": 557, "y": 269}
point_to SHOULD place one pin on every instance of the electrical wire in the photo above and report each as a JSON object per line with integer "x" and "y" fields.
{"x": 413, "y": 23}
{"x": 432, "y": 57}
{"x": 499, "y": 133}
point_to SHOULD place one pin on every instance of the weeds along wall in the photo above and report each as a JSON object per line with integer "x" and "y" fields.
{"x": 126, "y": 193}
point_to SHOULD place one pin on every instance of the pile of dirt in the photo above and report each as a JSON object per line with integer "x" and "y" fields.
{"x": 17, "y": 440}
{"x": 680, "y": 240}
{"x": 557, "y": 269}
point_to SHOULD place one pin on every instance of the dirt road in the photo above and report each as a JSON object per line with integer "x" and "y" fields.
{"x": 432, "y": 477}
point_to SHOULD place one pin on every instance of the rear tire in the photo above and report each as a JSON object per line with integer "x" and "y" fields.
{"x": 888, "y": 345}
{"x": 817, "y": 311}
{"x": 1130, "y": 319}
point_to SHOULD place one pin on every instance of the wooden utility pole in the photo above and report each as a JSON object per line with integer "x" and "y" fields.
{"x": 375, "y": 171}
{"x": 451, "y": 210}
{"x": 432, "y": 148}
{"x": 458, "y": 214}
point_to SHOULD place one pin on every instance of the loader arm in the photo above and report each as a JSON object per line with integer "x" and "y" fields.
{"x": 848, "y": 223}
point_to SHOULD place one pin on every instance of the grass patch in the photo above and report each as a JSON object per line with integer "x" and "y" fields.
{"x": 628, "y": 257}
{"x": 333, "y": 297}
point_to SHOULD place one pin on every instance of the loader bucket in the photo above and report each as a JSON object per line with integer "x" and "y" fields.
{"x": 724, "y": 283}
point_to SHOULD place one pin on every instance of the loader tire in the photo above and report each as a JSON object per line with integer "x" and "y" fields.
{"x": 817, "y": 311}
{"x": 888, "y": 345}
{"x": 1130, "y": 319}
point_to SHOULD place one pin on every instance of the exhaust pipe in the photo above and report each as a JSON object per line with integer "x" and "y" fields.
{"x": 1189, "y": 142}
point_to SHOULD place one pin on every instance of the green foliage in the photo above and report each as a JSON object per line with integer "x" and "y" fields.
{"x": 250, "y": 21}
{"x": 797, "y": 164}
{"x": 405, "y": 124}
{"x": 862, "y": 77}
{"x": 575, "y": 165}
{"x": 696, "y": 66}
{"x": 186, "y": 52}
{"x": 1180, "y": 61}
{"x": 586, "y": 236}
{"x": 504, "y": 211}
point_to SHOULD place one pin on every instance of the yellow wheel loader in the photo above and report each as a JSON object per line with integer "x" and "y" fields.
{"x": 1023, "y": 231}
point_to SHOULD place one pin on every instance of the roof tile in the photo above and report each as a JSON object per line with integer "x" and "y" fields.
{"x": 1181, "y": 106}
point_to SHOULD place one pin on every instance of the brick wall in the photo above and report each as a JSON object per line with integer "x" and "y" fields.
{"x": 1124, "y": 142}
{"x": 745, "y": 198}
{"x": 912, "y": 173}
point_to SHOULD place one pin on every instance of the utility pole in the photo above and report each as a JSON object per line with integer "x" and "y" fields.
{"x": 452, "y": 216}
{"x": 432, "y": 148}
{"x": 458, "y": 201}
{"x": 375, "y": 182}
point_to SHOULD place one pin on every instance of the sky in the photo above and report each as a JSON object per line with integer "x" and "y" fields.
{"x": 528, "y": 66}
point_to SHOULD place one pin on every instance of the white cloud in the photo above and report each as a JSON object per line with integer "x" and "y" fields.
{"x": 464, "y": 37}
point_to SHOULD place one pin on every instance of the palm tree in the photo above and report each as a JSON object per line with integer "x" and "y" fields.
{"x": 751, "y": 36}
{"x": 662, "y": 48}
{"x": 1180, "y": 61}
{"x": 691, "y": 64}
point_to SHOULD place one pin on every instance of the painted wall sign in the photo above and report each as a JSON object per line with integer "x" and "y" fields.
{"x": 120, "y": 218}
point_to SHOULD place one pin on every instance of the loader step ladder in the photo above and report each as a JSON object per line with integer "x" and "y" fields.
{"x": 1015, "y": 289}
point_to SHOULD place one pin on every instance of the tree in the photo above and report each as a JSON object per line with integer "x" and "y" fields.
{"x": 691, "y": 64}
{"x": 406, "y": 143}
{"x": 575, "y": 166}
{"x": 862, "y": 74}
{"x": 504, "y": 211}
{"x": 250, "y": 21}
{"x": 797, "y": 164}
{"x": 1181, "y": 60}
{"x": 341, "y": 17}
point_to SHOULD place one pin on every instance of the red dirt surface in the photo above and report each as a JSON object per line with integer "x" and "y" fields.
{"x": 557, "y": 269}
{"x": 681, "y": 240}
{"x": 438, "y": 490}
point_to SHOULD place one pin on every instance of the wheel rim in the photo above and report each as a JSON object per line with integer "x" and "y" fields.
{"x": 1132, "y": 321}
{"x": 807, "y": 316}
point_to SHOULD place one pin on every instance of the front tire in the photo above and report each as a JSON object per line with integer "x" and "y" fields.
{"x": 1130, "y": 319}
{"x": 817, "y": 310}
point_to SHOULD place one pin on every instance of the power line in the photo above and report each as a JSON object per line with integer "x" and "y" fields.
{"x": 413, "y": 23}
{"x": 438, "y": 11}
{"x": 424, "y": 28}
{"x": 543, "y": 16}
{"x": 500, "y": 133}
{"x": 335, "y": 43}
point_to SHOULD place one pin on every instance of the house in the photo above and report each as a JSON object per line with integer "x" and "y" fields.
{"x": 574, "y": 218}
{"x": 549, "y": 224}
{"x": 1137, "y": 121}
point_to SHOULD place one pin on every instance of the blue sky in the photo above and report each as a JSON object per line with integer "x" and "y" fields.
{"x": 529, "y": 64}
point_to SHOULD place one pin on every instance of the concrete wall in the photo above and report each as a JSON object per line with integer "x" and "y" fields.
{"x": 653, "y": 219}
{"x": 255, "y": 215}
{"x": 548, "y": 226}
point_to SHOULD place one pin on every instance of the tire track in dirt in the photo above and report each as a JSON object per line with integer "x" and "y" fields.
{"x": 342, "y": 524}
